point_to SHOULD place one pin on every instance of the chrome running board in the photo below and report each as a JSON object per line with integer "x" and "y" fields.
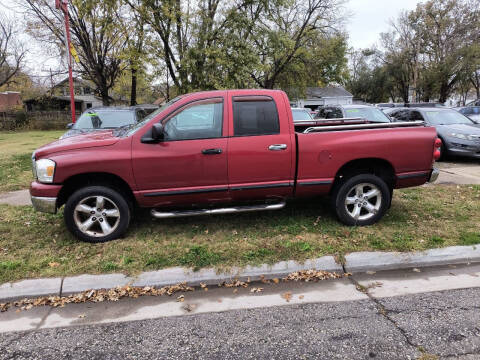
{"x": 229, "y": 210}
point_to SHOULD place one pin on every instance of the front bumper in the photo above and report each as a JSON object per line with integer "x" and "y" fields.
{"x": 459, "y": 147}
{"x": 45, "y": 204}
{"x": 433, "y": 175}
{"x": 44, "y": 196}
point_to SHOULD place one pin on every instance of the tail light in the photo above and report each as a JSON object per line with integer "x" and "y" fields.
{"x": 437, "y": 149}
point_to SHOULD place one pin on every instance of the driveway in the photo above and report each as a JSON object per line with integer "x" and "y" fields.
{"x": 459, "y": 171}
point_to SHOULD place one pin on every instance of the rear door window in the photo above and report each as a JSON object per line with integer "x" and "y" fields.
{"x": 416, "y": 116}
{"x": 255, "y": 116}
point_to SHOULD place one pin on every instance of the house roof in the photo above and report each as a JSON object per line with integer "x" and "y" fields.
{"x": 75, "y": 79}
{"x": 10, "y": 99}
{"x": 329, "y": 91}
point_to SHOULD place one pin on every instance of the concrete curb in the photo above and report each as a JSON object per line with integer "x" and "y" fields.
{"x": 377, "y": 261}
{"x": 355, "y": 263}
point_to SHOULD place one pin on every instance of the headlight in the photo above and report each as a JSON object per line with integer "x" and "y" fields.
{"x": 462, "y": 136}
{"x": 45, "y": 169}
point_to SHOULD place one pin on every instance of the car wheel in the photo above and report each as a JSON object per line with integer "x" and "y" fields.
{"x": 361, "y": 200}
{"x": 97, "y": 214}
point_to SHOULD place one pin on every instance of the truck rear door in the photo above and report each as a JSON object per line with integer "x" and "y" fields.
{"x": 261, "y": 146}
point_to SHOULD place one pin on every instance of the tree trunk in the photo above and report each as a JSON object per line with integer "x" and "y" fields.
{"x": 133, "y": 92}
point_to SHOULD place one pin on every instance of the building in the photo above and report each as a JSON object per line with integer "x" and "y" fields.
{"x": 10, "y": 100}
{"x": 330, "y": 95}
{"x": 84, "y": 95}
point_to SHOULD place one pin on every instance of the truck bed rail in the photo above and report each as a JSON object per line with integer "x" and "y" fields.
{"x": 363, "y": 126}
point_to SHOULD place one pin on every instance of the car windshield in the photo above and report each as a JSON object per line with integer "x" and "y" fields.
{"x": 104, "y": 119}
{"x": 137, "y": 126}
{"x": 368, "y": 113}
{"x": 301, "y": 115}
{"x": 446, "y": 117}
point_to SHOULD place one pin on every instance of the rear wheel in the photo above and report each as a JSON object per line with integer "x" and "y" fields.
{"x": 97, "y": 214}
{"x": 361, "y": 200}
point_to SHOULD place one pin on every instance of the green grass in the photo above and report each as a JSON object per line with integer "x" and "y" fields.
{"x": 15, "y": 156}
{"x": 420, "y": 218}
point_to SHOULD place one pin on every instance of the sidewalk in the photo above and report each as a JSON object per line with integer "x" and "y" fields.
{"x": 16, "y": 198}
{"x": 360, "y": 262}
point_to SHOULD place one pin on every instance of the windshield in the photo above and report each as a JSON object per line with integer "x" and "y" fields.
{"x": 134, "y": 129}
{"x": 446, "y": 117}
{"x": 104, "y": 119}
{"x": 301, "y": 115}
{"x": 370, "y": 114}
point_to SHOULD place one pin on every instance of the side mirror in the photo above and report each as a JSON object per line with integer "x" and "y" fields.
{"x": 69, "y": 126}
{"x": 157, "y": 132}
{"x": 154, "y": 135}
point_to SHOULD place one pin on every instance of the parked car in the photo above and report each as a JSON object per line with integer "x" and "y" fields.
{"x": 460, "y": 135}
{"x": 221, "y": 152}
{"x": 95, "y": 119}
{"x": 301, "y": 114}
{"x": 472, "y": 112}
{"x": 370, "y": 113}
{"x": 474, "y": 103}
{"x": 415, "y": 105}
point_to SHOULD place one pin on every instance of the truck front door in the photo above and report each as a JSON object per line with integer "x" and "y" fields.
{"x": 189, "y": 166}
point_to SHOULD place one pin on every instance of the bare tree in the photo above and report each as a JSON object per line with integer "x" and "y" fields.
{"x": 96, "y": 37}
{"x": 12, "y": 52}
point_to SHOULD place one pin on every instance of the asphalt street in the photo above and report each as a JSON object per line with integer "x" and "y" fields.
{"x": 381, "y": 324}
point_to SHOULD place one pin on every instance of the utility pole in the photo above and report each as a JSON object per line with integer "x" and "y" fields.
{"x": 63, "y": 6}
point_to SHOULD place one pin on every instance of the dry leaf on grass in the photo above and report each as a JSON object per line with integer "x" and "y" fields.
{"x": 53, "y": 264}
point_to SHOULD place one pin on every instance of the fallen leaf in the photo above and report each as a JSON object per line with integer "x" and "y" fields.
{"x": 301, "y": 297}
{"x": 287, "y": 296}
{"x": 275, "y": 280}
{"x": 235, "y": 291}
{"x": 181, "y": 298}
{"x": 53, "y": 264}
{"x": 371, "y": 272}
{"x": 416, "y": 270}
{"x": 189, "y": 307}
{"x": 81, "y": 316}
{"x": 256, "y": 290}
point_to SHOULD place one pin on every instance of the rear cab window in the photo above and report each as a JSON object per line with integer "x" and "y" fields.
{"x": 255, "y": 115}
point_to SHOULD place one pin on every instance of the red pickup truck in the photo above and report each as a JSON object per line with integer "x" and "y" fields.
{"x": 222, "y": 152}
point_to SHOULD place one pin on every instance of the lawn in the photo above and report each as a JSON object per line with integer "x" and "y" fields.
{"x": 38, "y": 245}
{"x": 15, "y": 156}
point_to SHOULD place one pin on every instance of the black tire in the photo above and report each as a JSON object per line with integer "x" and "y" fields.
{"x": 345, "y": 188}
{"x": 114, "y": 201}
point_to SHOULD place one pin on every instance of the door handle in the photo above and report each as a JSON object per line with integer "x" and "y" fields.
{"x": 211, "y": 151}
{"x": 277, "y": 147}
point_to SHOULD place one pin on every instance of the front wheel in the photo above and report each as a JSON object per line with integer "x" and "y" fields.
{"x": 361, "y": 200}
{"x": 97, "y": 214}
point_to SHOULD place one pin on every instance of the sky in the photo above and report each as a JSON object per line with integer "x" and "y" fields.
{"x": 366, "y": 20}
{"x": 369, "y": 18}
